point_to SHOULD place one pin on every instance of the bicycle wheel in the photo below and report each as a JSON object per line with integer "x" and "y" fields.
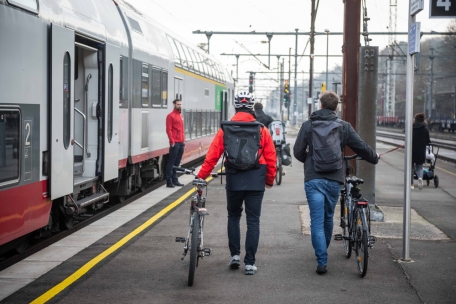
{"x": 194, "y": 248}
{"x": 344, "y": 223}
{"x": 361, "y": 245}
{"x": 278, "y": 176}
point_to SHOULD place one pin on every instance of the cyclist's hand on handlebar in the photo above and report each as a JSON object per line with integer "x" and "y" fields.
{"x": 268, "y": 186}
{"x": 378, "y": 156}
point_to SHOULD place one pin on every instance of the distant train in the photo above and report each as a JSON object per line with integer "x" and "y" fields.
{"x": 434, "y": 123}
{"x": 85, "y": 88}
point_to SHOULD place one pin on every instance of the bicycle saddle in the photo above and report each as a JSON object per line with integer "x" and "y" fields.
{"x": 355, "y": 181}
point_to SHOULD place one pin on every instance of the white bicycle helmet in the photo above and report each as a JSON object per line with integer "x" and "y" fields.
{"x": 244, "y": 100}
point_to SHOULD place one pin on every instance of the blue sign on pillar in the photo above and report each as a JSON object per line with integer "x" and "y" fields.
{"x": 414, "y": 38}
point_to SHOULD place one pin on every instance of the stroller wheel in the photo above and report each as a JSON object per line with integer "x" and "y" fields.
{"x": 436, "y": 181}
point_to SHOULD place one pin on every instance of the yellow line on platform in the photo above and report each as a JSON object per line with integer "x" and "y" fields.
{"x": 92, "y": 263}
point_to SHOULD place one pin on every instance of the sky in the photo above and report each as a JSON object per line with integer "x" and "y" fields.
{"x": 185, "y": 16}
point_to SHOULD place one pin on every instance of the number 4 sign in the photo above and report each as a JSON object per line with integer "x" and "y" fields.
{"x": 442, "y": 8}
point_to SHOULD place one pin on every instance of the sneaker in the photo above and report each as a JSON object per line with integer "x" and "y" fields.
{"x": 235, "y": 262}
{"x": 412, "y": 187}
{"x": 420, "y": 183}
{"x": 250, "y": 269}
{"x": 177, "y": 184}
{"x": 321, "y": 269}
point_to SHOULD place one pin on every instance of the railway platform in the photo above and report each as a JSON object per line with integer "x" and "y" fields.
{"x": 131, "y": 256}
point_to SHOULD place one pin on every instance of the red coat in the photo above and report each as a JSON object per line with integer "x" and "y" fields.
{"x": 268, "y": 155}
{"x": 175, "y": 127}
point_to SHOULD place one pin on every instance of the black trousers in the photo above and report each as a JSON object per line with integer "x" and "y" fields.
{"x": 175, "y": 157}
{"x": 253, "y": 201}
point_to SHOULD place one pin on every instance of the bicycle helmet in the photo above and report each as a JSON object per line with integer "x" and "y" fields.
{"x": 244, "y": 100}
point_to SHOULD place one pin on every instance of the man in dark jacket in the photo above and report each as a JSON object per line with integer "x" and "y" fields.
{"x": 419, "y": 142}
{"x": 322, "y": 189}
{"x": 261, "y": 116}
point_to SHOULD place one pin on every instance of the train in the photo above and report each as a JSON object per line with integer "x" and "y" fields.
{"x": 85, "y": 89}
{"x": 434, "y": 123}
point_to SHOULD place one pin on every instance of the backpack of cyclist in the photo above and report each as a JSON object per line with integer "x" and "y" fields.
{"x": 326, "y": 145}
{"x": 242, "y": 144}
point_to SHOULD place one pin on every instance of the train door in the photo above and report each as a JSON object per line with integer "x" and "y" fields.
{"x": 111, "y": 113}
{"x": 178, "y": 88}
{"x": 62, "y": 115}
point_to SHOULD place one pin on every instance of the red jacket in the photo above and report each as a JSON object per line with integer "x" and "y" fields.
{"x": 175, "y": 127}
{"x": 268, "y": 155}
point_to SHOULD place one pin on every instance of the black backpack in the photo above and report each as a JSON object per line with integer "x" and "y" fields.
{"x": 242, "y": 143}
{"x": 326, "y": 145}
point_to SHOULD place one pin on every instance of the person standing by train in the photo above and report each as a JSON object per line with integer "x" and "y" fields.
{"x": 176, "y": 136}
{"x": 243, "y": 187}
{"x": 420, "y": 139}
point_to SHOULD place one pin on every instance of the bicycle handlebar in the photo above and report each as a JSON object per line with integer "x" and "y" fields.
{"x": 351, "y": 157}
{"x": 184, "y": 170}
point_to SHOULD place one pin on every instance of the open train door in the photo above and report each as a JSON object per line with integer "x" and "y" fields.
{"x": 62, "y": 111}
{"x": 111, "y": 113}
{"x": 224, "y": 112}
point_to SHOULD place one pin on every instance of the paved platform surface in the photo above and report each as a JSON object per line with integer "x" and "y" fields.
{"x": 147, "y": 269}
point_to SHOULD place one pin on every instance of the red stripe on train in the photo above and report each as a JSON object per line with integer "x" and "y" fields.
{"x": 23, "y": 209}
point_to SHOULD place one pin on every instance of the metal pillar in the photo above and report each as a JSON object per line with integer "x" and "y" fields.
{"x": 295, "y": 93}
{"x": 312, "y": 49}
{"x": 269, "y": 50}
{"x": 281, "y": 90}
{"x": 350, "y": 49}
{"x": 237, "y": 69}
{"x": 208, "y": 35}
{"x": 408, "y": 150}
{"x": 327, "y": 49}
{"x": 431, "y": 94}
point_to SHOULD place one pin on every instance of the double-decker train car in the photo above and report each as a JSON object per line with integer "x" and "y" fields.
{"x": 85, "y": 87}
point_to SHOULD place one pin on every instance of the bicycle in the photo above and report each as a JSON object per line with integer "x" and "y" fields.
{"x": 194, "y": 241}
{"x": 355, "y": 220}
{"x": 278, "y": 177}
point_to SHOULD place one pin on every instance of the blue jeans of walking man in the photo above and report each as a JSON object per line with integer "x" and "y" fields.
{"x": 322, "y": 196}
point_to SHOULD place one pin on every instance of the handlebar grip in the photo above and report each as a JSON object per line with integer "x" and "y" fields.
{"x": 179, "y": 169}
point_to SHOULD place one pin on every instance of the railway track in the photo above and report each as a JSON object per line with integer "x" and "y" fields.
{"x": 9, "y": 259}
{"x": 392, "y": 138}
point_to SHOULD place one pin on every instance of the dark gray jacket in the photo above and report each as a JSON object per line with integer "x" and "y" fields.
{"x": 303, "y": 146}
{"x": 263, "y": 118}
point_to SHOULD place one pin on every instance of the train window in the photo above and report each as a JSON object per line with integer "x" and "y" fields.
{"x": 144, "y": 129}
{"x": 204, "y": 123}
{"x": 10, "y": 121}
{"x": 183, "y": 57}
{"x": 208, "y": 123}
{"x": 189, "y": 58}
{"x": 164, "y": 89}
{"x": 29, "y": 5}
{"x": 206, "y": 92}
{"x": 110, "y": 102}
{"x": 134, "y": 25}
{"x": 194, "y": 133}
{"x": 123, "y": 87}
{"x": 66, "y": 100}
{"x": 196, "y": 61}
{"x": 187, "y": 123}
{"x": 177, "y": 60}
{"x": 202, "y": 65}
{"x": 145, "y": 85}
{"x": 156, "y": 88}
{"x": 199, "y": 124}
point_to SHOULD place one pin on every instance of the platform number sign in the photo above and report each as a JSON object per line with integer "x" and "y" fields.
{"x": 442, "y": 8}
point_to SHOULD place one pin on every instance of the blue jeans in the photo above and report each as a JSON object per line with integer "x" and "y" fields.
{"x": 174, "y": 159}
{"x": 418, "y": 168}
{"x": 322, "y": 196}
{"x": 253, "y": 200}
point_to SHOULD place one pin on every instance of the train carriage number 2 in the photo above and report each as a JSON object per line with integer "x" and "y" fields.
{"x": 444, "y": 3}
{"x": 27, "y": 127}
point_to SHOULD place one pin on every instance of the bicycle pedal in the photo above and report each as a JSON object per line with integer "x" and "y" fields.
{"x": 180, "y": 240}
{"x": 207, "y": 251}
{"x": 283, "y": 173}
{"x": 338, "y": 237}
{"x": 372, "y": 240}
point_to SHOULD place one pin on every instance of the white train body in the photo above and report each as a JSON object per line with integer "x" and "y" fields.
{"x": 84, "y": 92}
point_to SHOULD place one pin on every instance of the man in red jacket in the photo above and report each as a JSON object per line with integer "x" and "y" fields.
{"x": 244, "y": 186}
{"x": 176, "y": 135}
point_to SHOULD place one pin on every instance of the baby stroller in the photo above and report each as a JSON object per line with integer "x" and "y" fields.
{"x": 432, "y": 153}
